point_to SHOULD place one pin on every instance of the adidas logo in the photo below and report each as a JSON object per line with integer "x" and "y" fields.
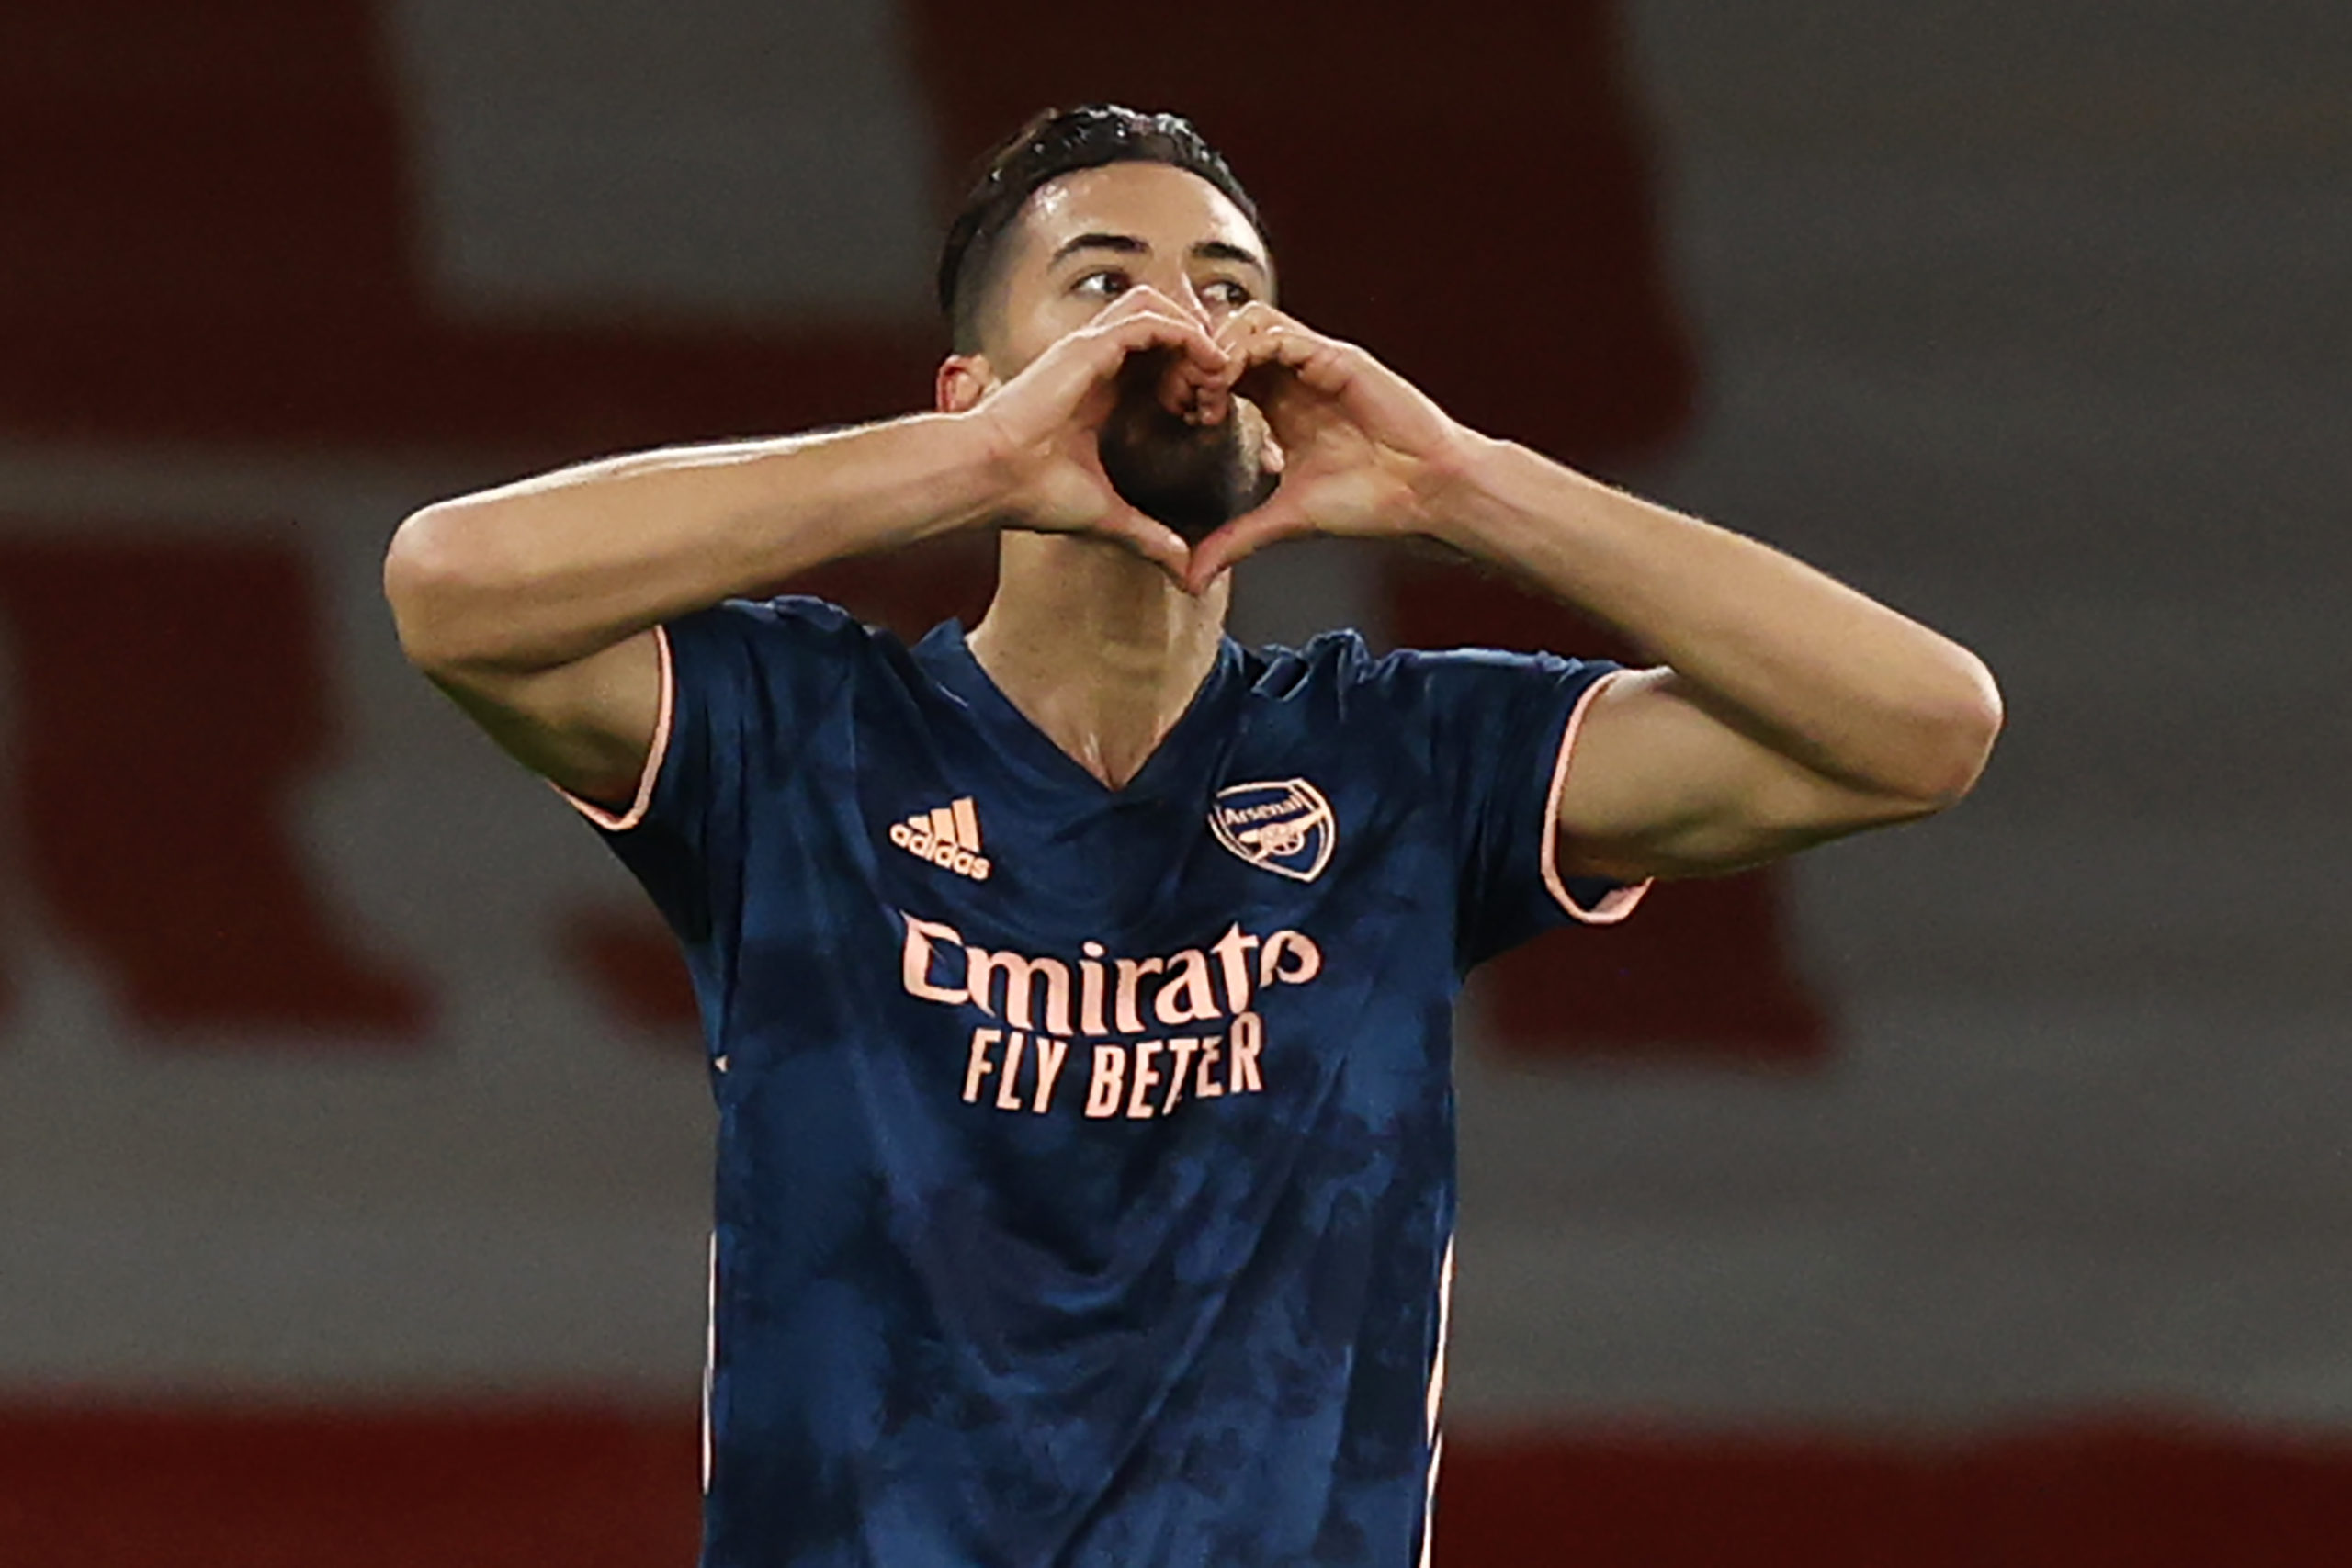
{"x": 947, "y": 836}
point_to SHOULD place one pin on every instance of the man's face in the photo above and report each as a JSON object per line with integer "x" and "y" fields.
{"x": 1086, "y": 237}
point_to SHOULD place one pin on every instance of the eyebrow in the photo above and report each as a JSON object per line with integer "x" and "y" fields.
{"x": 1128, "y": 245}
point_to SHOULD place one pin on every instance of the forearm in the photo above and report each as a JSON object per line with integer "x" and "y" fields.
{"x": 550, "y": 570}
{"x": 1825, "y": 675}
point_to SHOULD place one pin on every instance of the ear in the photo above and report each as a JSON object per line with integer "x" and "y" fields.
{"x": 963, "y": 380}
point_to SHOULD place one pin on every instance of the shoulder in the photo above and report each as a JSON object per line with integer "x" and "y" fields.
{"x": 1341, "y": 664}
{"x": 1332, "y": 660}
{"x": 790, "y": 618}
{"x": 763, "y": 658}
{"x": 792, "y": 629}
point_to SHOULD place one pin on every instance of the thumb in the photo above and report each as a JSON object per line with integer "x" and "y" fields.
{"x": 1153, "y": 540}
{"x": 1280, "y": 518}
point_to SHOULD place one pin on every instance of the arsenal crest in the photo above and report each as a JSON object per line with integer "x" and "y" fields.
{"x": 1284, "y": 825}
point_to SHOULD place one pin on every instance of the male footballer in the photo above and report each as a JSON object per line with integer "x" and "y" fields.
{"x": 1077, "y": 985}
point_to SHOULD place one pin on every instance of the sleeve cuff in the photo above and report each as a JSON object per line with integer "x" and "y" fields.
{"x": 1617, "y": 903}
{"x": 621, "y": 822}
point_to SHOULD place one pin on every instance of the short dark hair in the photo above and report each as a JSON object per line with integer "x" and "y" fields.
{"x": 1053, "y": 143}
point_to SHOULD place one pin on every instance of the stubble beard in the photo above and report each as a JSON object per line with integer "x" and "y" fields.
{"x": 1193, "y": 478}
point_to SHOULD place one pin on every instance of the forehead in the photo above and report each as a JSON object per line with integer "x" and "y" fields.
{"x": 1163, "y": 206}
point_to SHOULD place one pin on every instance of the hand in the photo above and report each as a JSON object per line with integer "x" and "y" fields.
{"x": 1047, "y": 420}
{"x": 1363, "y": 452}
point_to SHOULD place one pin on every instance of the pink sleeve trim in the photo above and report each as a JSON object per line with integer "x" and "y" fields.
{"x": 660, "y": 749}
{"x": 1620, "y": 901}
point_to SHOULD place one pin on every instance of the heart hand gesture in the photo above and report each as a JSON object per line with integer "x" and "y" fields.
{"x": 1047, "y": 423}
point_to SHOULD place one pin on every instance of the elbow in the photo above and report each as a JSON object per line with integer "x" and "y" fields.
{"x": 1959, "y": 732}
{"x": 433, "y": 571}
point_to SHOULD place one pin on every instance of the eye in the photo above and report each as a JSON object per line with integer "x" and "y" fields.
{"x": 1225, "y": 291}
{"x": 1108, "y": 284}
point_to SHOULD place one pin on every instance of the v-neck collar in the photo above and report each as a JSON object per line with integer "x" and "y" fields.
{"x": 948, "y": 658}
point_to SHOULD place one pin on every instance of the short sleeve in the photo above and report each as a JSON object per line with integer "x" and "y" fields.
{"x": 740, "y": 683}
{"x": 1501, "y": 731}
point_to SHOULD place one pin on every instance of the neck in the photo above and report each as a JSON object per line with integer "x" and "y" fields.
{"x": 1096, "y": 646}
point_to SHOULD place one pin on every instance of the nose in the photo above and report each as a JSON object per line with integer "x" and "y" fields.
{"x": 1179, "y": 288}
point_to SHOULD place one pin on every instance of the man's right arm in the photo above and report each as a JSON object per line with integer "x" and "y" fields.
{"x": 534, "y": 604}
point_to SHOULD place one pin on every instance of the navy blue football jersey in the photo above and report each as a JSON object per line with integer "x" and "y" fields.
{"x": 1086, "y": 1166}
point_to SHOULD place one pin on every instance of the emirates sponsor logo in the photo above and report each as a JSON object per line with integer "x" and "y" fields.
{"x": 947, "y": 836}
{"x": 1284, "y": 825}
{"x": 1151, "y": 1033}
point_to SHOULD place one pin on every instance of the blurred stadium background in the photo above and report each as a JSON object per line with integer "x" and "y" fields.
{"x": 1973, "y": 1195}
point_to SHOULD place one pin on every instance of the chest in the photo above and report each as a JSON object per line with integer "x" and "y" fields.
{"x": 1262, "y": 922}
{"x": 1265, "y": 819}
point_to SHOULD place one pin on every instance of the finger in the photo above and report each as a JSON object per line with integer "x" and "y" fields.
{"x": 1251, "y": 329}
{"x": 1193, "y": 376}
{"x": 1243, "y": 537}
{"x": 1140, "y": 296}
{"x": 1268, "y": 346}
{"x": 1144, "y": 330}
{"x": 1241, "y": 333}
{"x": 1153, "y": 540}
{"x": 1144, "y": 300}
{"x": 1251, "y": 320}
{"x": 1201, "y": 397}
{"x": 1278, "y": 347}
{"x": 1260, "y": 370}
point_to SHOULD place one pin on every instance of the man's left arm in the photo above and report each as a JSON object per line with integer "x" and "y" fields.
{"x": 1786, "y": 708}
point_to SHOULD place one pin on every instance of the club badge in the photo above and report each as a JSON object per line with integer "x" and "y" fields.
{"x": 1284, "y": 825}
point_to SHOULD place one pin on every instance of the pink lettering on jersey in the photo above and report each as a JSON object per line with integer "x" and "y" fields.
{"x": 1015, "y": 1066}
